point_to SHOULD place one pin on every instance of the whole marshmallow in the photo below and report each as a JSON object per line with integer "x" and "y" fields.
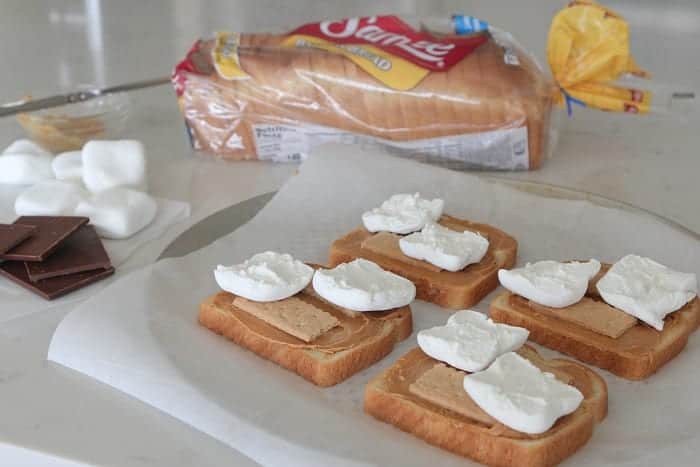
{"x": 119, "y": 212}
{"x": 68, "y": 166}
{"x": 111, "y": 164}
{"x": 50, "y": 198}
{"x": 24, "y": 169}
{"x": 24, "y": 146}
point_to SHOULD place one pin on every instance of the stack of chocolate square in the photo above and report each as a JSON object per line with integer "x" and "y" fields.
{"x": 52, "y": 255}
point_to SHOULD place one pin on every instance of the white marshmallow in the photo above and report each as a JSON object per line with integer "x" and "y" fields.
{"x": 119, "y": 212}
{"x": 362, "y": 285}
{"x": 50, "y": 198}
{"x": 646, "y": 289}
{"x": 470, "y": 341}
{"x": 265, "y": 277}
{"x": 27, "y": 147}
{"x": 403, "y": 214}
{"x": 518, "y": 394}
{"x": 68, "y": 166}
{"x": 111, "y": 164}
{"x": 550, "y": 283}
{"x": 445, "y": 248}
{"x": 24, "y": 169}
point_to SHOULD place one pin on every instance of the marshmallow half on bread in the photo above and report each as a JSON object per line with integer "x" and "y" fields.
{"x": 474, "y": 388}
{"x": 452, "y": 262}
{"x": 630, "y": 317}
{"x": 351, "y": 317}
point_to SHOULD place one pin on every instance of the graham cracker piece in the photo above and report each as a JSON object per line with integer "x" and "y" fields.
{"x": 310, "y": 291}
{"x": 387, "y": 244}
{"x": 443, "y": 386}
{"x": 594, "y": 315}
{"x": 291, "y": 315}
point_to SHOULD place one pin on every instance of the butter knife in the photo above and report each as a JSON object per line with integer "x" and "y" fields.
{"x": 21, "y": 106}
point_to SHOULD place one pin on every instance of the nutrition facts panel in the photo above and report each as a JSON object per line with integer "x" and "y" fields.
{"x": 505, "y": 149}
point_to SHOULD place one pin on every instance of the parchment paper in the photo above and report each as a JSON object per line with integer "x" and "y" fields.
{"x": 141, "y": 336}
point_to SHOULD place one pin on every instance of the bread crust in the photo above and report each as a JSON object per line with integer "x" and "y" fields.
{"x": 453, "y": 290}
{"x": 598, "y": 350}
{"x": 318, "y": 367}
{"x": 496, "y": 445}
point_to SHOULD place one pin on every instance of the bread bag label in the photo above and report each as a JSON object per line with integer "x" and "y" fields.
{"x": 225, "y": 56}
{"x": 503, "y": 149}
{"x": 384, "y": 46}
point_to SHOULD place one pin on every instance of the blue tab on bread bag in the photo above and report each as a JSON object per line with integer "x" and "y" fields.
{"x": 464, "y": 24}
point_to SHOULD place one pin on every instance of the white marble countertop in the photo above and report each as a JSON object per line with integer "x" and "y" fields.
{"x": 52, "y": 416}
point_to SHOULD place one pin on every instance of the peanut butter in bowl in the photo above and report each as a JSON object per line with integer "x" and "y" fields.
{"x": 69, "y": 127}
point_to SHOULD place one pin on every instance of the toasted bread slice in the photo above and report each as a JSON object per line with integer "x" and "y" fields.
{"x": 358, "y": 341}
{"x": 454, "y": 290}
{"x": 635, "y": 354}
{"x": 388, "y": 398}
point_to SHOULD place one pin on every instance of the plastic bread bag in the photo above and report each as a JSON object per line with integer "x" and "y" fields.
{"x": 589, "y": 56}
{"x": 453, "y": 91}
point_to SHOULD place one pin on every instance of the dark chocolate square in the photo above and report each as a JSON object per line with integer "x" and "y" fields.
{"x": 56, "y": 286}
{"x": 50, "y": 233}
{"x": 12, "y": 235}
{"x": 82, "y": 251}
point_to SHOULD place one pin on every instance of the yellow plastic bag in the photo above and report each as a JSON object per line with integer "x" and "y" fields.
{"x": 587, "y": 50}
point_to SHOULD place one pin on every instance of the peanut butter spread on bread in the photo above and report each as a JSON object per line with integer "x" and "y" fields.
{"x": 307, "y": 321}
{"x": 438, "y": 387}
{"x": 384, "y": 250}
{"x": 443, "y": 386}
{"x": 600, "y": 321}
{"x": 346, "y": 334}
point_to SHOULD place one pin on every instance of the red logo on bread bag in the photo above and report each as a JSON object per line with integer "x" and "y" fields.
{"x": 397, "y": 38}
{"x": 187, "y": 65}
